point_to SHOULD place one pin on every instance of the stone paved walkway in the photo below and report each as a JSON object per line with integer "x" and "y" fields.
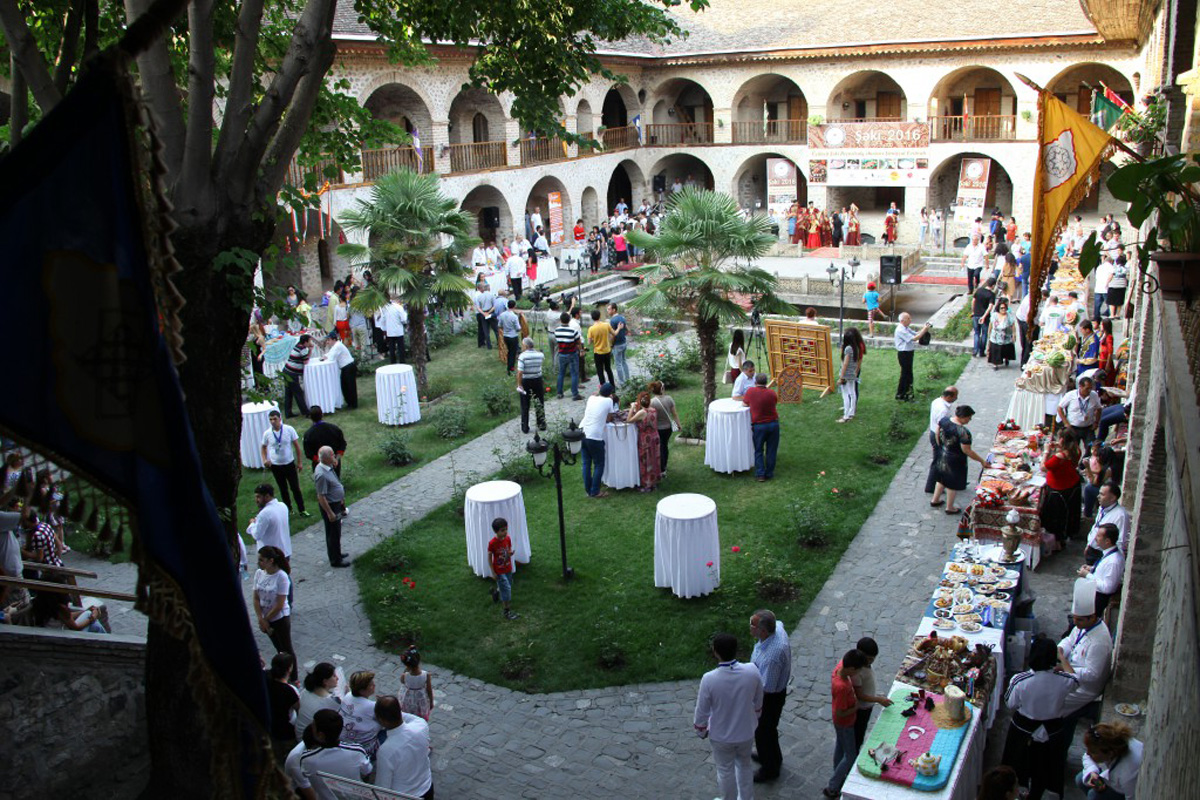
{"x": 637, "y": 741}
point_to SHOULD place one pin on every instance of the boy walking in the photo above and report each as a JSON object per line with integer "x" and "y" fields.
{"x": 500, "y": 556}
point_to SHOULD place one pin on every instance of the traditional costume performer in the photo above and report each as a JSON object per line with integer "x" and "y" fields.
{"x": 814, "y": 230}
{"x": 889, "y": 228}
{"x": 801, "y": 226}
{"x": 853, "y": 228}
{"x": 826, "y": 230}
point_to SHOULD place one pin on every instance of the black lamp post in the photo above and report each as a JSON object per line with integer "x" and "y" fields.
{"x": 832, "y": 271}
{"x": 539, "y": 449}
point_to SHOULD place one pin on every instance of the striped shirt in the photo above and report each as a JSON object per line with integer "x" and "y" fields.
{"x": 530, "y": 363}
{"x": 296, "y": 360}
{"x": 567, "y": 339}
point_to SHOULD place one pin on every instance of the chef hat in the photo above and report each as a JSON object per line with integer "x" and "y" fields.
{"x": 1083, "y": 603}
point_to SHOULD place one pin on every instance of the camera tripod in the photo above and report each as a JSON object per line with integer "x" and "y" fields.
{"x": 757, "y": 343}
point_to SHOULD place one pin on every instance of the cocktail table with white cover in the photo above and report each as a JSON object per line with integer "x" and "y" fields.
{"x": 621, "y": 456}
{"x": 547, "y": 270}
{"x": 396, "y": 395}
{"x": 485, "y": 502}
{"x": 729, "y": 444}
{"x": 686, "y": 542}
{"x": 254, "y": 424}
{"x": 322, "y": 385}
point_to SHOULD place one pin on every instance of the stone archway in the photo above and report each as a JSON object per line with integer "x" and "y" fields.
{"x": 1071, "y": 85}
{"x": 680, "y": 167}
{"x": 590, "y": 203}
{"x": 538, "y": 201}
{"x": 494, "y": 218}
{"x": 750, "y": 183}
{"x": 973, "y": 103}
{"x": 626, "y": 183}
{"x": 681, "y": 114}
{"x": 769, "y": 108}
{"x": 867, "y": 94}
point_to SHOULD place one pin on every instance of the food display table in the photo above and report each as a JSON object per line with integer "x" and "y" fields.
{"x": 1029, "y": 409}
{"x": 496, "y": 280}
{"x": 322, "y": 385}
{"x": 687, "y": 545}
{"x": 484, "y": 503}
{"x": 396, "y": 395}
{"x": 621, "y": 456}
{"x": 729, "y": 443}
{"x": 277, "y": 351}
{"x": 1012, "y": 481}
{"x": 254, "y": 424}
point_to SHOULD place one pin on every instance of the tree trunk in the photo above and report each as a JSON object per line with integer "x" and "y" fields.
{"x": 706, "y": 331}
{"x": 419, "y": 346}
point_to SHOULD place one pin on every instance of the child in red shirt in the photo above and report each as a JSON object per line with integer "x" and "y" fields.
{"x": 500, "y": 557}
{"x": 845, "y": 709}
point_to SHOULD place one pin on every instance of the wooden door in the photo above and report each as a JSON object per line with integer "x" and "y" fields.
{"x": 1083, "y": 101}
{"x": 987, "y": 102}
{"x": 479, "y": 128}
{"x": 887, "y": 104}
{"x": 797, "y": 108}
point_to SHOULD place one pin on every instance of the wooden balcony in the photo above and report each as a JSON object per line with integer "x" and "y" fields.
{"x": 542, "y": 151}
{"x": 866, "y": 119}
{"x": 973, "y": 129}
{"x": 478, "y": 156}
{"x": 677, "y": 135}
{"x": 377, "y": 163}
{"x": 325, "y": 170}
{"x": 619, "y": 138}
{"x": 775, "y": 131}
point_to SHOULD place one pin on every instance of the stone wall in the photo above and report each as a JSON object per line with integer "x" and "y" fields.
{"x": 83, "y": 695}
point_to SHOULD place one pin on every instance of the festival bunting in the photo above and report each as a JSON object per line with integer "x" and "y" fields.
{"x": 1068, "y": 166}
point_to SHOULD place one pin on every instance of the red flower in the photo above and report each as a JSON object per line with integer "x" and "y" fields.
{"x": 736, "y": 549}
{"x": 709, "y": 564}
{"x": 835, "y": 491}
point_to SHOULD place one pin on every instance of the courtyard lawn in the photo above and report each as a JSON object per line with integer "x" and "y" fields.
{"x": 609, "y": 625}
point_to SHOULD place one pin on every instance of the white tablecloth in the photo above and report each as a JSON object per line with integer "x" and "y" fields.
{"x": 988, "y": 636}
{"x": 271, "y": 369}
{"x": 254, "y": 424}
{"x": 620, "y": 456}
{"x": 729, "y": 444}
{"x": 1028, "y": 408}
{"x": 547, "y": 270}
{"x": 396, "y": 395}
{"x": 686, "y": 540}
{"x": 322, "y": 385}
{"x": 497, "y": 281}
{"x": 962, "y": 783}
{"x": 484, "y": 502}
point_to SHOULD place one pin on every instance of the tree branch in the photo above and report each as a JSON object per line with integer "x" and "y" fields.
{"x": 314, "y": 28}
{"x": 68, "y": 47}
{"x": 91, "y": 29}
{"x": 287, "y": 139}
{"x": 19, "y": 113}
{"x": 27, "y": 56}
{"x": 195, "y": 175}
{"x": 238, "y": 105}
{"x": 158, "y": 78}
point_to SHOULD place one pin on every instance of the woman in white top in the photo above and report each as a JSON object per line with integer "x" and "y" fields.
{"x": 271, "y": 588}
{"x": 1112, "y": 759}
{"x": 735, "y": 356}
{"x": 1036, "y": 746}
{"x": 318, "y": 694}
{"x": 358, "y": 714}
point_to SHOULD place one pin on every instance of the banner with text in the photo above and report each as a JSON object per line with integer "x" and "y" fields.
{"x": 869, "y": 153}
{"x": 781, "y": 186}
{"x": 556, "y": 218}
{"x": 971, "y": 198}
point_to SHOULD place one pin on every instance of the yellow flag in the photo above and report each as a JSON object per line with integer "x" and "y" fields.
{"x": 1068, "y": 165}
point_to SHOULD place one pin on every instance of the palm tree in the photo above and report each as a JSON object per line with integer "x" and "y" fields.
{"x": 700, "y": 235}
{"x": 417, "y": 239}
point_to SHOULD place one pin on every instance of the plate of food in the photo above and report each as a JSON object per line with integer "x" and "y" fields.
{"x": 943, "y": 602}
{"x": 1003, "y": 597}
{"x": 1011, "y": 574}
{"x": 977, "y": 569}
{"x": 970, "y": 627}
{"x": 963, "y": 608}
{"x": 1004, "y": 586}
{"x": 1127, "y": 709}
{"x": 941, "y": 613}
{"x": 963, "y": 595}
{"x": 957, "y": 567}
{"x": 943, "y": 624}
{"x": 989, "y": 578}
{"x": 985, "y": 588}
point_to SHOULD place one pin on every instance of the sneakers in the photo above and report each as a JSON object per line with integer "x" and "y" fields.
{"x": 306, "y": 513}
{"x": 510, "y": 614}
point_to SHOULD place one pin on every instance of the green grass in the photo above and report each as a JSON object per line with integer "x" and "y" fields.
{"x": 609, "y": 625}
{"x": 958, "y": 327}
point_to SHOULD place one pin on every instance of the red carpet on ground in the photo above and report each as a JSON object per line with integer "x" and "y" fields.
{"x": 941, "y": 280}
{"x": 822, "y": 252}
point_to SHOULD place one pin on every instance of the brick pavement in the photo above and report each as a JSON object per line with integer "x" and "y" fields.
{"x": 491, "y": 742}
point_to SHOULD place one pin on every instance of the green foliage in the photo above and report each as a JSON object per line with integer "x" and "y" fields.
{"x": 439, "y": 330}
{"x": 774, "y": 581}
{"x": 396, "y": 448}
{"x": 810, "y": 524}
{"x": 438, "y": 387}
{"x": 498, "y": 398}
{"x": 692, "y": 418}
{"x": 899, "y": 428}
{"x": 1145, "y": 128}
{"x": 449, "y": 419}
{"x": 958, "y": 327}
{"x": 687, "y": 353}
{"x": 661, "y": 363}
{"x": 631, "y": 388}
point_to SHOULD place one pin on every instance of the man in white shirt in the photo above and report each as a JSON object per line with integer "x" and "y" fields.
{"x": 743, "y": 381}
{"x": 331, "y": 757}
{"x": 535, "y": 219}
{"x": 1086, "y": 652}
{"x": 974, "y": 259}
{"x": 941, "y": 408}
{"x": 402, "y": 763}
{"x": 395, "y": 321}
{"x": 728, "y": 706}
{"x": 281, "y": 453}
{"x": 492, "y": 256}
{"x": 597, "y": 413}
{"x": 479, "y": 258}
{"x": 541, "y": 245}
{"x": 520, "y": 246}
{"x": 1108, "y": 573}
{"x": 1111, "y": 512}
{"x": 676, "y": 186}
{"x": 1104, "y": 274}
{"x": 514, "y": 268}
{"x": 269, "y": 528}
{"x": 340, "y": 355}
{"x": 1080, "y": 409}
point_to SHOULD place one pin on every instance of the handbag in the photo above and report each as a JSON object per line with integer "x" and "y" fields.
{"x": 925, "y": 338}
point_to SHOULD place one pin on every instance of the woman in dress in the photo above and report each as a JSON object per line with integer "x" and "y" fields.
{"x": 665, "y": 406}
{"x": 954, "y": 450}
{"x": 854, "y": 349}
{"x": 1001, "y": 335}
{"x": 853, "y": 228}
{"x": 793, "y": 211}
{"x": 1062, "y": 495}
{"x": 316, "y": 695}
{"x": 814, "y": 230}
{"x": 1036, "y": 745}
{"x": 1008, "y": 275}
{"x": 649, "y": 458}
{"x": 800, "y": 230}
{"x": 1117, "y": 285}
{"x": 826, "y": 230}
{"x": 735, "y": 356}
{"x": 889, "y": 228}
{"x": 1105, "y": 361}
{"x": 341, "y": 316}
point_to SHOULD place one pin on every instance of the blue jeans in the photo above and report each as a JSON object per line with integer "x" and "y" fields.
{"x": 844, "y": 753}
{"x": 766, "y": 444}
{"x": 619, "y": 363}
{"x": 1104, "y": 794}
{"x": 593, "y": 465}
{"x": 504, "y": 586}
{"x": 571, "y": 361}
{"x": 980, "y": 336}
{"x": 1110, "y": 416}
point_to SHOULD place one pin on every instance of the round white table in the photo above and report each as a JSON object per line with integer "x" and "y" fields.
{"x": 496, "y": 280}
{"x": 686, "y": 542}
{"x": 728, "y": 442}
{"x": 323, "y": 386}
{"x": 621, "y": 456}
{"x": 396, "y": 395}
{"x": 547, "y": 270}
{"x": 1028, "y": 408}
{"x": 484, "y": 503}
{"x": 254, "y": 425}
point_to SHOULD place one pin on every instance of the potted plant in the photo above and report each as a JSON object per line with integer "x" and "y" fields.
{"x": 1161, "y": 187}
{"x": 1142, "y": 130}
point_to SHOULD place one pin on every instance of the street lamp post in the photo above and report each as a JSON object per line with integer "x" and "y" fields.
{"x": 538, "y": 448}
{"x": 833, "y": 271}
{"x": 575, "y": 265}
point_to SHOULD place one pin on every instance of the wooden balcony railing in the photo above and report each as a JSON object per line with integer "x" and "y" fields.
{"x": 775, "y": 130}
{"x": 687, "y": 133}
{"x": 295, "y": 173}
{"x": 477, "y": 156}
{"x": 966, "y": 129}
{"x": 866, "y": 119}
{"x": 377, "y": 163}
{"x": 620, "y": 138}
{"x": 542, "y": 151}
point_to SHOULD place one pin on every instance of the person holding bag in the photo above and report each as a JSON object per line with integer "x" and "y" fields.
{"x": 667, "y": 421}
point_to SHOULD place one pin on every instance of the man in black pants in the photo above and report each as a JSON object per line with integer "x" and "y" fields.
{"x": 941, "y": 408}
{"x": 292, "y": 370}
{"x": 906, "y": 345}
{"x": 332, "y": 498}
{"x": 773, "y": 656}
{"x": 339, "y": 354}
{"x": 530, "y": 385}
{"x": 281, "y": 452}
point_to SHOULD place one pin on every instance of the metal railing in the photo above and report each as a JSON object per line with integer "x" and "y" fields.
{"x": 377, "y": 163}
{"x": 971, "y": 128}
{"x": 775, "y": 130}
{"x": 687, "y": 133}
{"x": 619, "y": 138}
{"x": 542, "y": 151}
{"x": 478, "y": 156}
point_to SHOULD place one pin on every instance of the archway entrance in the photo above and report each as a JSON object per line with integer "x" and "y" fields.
{"x": 538, "y": 202}
{"x": 753, "y": 187}
{"x": 679, "y": 170}
{"x": 683, "y": 114}
{"x": 488, "y": 206}
{"x": 769, "y": 108}
{"x": 868, "y": 94}
{"x": 626, "y": 183}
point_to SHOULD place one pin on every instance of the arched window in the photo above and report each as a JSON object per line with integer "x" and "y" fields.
{"x": 479, "y": 128}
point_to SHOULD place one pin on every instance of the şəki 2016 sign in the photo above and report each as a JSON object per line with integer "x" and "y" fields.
{"x": 869, "y": 153}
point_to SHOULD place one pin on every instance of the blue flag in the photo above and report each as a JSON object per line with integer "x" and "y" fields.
{"x": 93, "y": 386}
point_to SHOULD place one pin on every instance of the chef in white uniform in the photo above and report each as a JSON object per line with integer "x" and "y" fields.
{"x": 1086, "y": 652}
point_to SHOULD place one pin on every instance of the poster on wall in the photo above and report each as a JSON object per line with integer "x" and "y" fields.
{"x": 973, "y": 178}
{"x": 556, "y": 220}
{"x": 869, "y": 153}
{"x": 781, "y": 186}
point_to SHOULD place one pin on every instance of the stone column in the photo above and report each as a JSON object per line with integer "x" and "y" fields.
{"x": 722, "y": 125}
{"x": 439, "y": 140}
